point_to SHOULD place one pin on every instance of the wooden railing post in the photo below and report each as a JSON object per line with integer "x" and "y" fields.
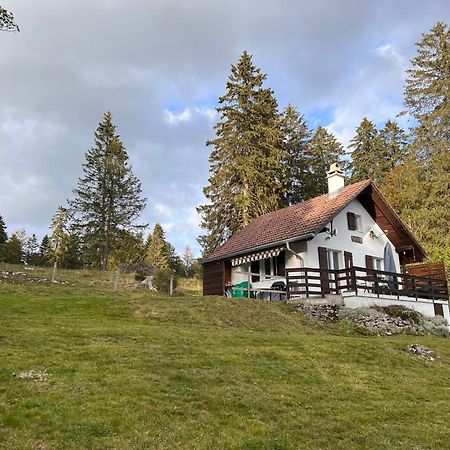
{"x": 288, "y": 296}
{"x": 353, "y": 279}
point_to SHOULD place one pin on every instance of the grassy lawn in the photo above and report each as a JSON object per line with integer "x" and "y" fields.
{"x": 138, "y": 370}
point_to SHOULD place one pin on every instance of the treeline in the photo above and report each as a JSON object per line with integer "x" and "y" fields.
{"x": 263, "y": 159}
{"x": 155, "y": 252}
{"x": 99, "y": 226}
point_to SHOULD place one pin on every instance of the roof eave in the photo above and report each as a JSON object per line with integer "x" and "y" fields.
{"x": 260, "y": 247}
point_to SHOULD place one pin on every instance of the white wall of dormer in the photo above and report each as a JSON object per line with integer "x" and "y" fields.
{"x": 373, "y": 246}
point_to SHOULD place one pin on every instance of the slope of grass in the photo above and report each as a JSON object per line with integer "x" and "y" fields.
{"x": 136, "y": 370}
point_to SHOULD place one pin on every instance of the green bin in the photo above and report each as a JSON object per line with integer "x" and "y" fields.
{"x": 240, "y": 290}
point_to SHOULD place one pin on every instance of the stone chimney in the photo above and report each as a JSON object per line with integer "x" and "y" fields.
{"x": 336, "y": 180}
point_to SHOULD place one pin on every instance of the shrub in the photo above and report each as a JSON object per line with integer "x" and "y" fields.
{"x": 355, "y": 314}
{"x": 438, "y": 320}
{"x": 403, "y": 313}
{"x": 438, "y": 330}
{"x": 161, "y": 280}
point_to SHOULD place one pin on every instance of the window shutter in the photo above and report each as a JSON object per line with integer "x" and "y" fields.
{"x": 348, "y": 259}
{"x": 323, "y": 260}
{"x": 351, "y": 221}
{"x": 323, "y": 264}
{"x": 369, "y": 264}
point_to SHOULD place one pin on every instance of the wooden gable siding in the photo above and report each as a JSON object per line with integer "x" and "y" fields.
{"x": 408, "y": 248}
{"x": 428, "y": 269}
{"x": 215, "y": 275}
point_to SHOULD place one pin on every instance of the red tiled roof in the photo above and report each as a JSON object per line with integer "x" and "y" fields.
{"x": 294, "y": 221}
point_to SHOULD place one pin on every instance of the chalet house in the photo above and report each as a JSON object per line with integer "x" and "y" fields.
{"x": 348, "y": 243}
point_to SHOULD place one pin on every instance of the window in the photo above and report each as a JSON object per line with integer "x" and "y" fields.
{"x": 333, "y": 259}
{"x": 354, "y": 222}
{"x": 378, "y": 263}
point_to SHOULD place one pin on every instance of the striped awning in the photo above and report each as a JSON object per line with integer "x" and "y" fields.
{"x": 256, "y": 256}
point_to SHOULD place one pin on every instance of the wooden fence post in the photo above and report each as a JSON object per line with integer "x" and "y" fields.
{"x": 171, "y": 285}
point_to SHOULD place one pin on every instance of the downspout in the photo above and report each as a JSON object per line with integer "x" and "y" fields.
{"x": 302, "y": 261}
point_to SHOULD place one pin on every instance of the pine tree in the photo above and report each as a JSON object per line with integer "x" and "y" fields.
{"x": 367, "y": 151}
{"x": 3, "y": 234}
{"x": 394, "y": 150}
{"x": 420, "y": 188}
{"x": 296, "y": 137}
{"x": 248, "y": 177}
{"x": 108, "y": 197}
{"x": 72, "y": 258}
{"x": 13, "y": 252}
{"x": 59, "y": 239}
{"x": 427, "y": 91}
{"x": 31, "y": 250}
{"x": 160, "y": 253}
{"x": 322, "y": 151}
{"x": 3, "y": 239}
{"x": 45, "y": 251}
{"x": 7, "y": 21}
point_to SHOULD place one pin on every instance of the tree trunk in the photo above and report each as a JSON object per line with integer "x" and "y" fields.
{"x": 55, "y": 265}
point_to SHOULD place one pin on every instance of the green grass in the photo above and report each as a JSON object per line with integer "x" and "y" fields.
{"x": 139, "y": 370}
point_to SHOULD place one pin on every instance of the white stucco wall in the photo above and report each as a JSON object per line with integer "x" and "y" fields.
{"x": 308, "y": 250}
{"x": 239, "y": 273}
{"x": 365, "y": 300}
{"x": 342, "y": 241}
{"x": 292, "y": 260}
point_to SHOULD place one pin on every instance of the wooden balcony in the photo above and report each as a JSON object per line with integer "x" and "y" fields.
{"x": 310, "y": 282}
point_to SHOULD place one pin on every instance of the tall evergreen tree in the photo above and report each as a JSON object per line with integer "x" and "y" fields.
{"x": 31, "y": 250}
{"x": 3, "y": 234}
{"x": 420, "y": 188}
{"x": 160, "y": 253}
{"x": 108, "y": 198}
{"x": 366, "y": 152}
{"x": 394, "y": 150}
{"x": 296, "y": 137}
{"x": 248, "y": 177}
{"x": 3, "y": 239}
{"x": 427, "y": 91}
{"x": 45, "y": 251}
{"x": 7, "y": 21}
{"x": 13, "y": 251}
{"x": 323, "y": 150}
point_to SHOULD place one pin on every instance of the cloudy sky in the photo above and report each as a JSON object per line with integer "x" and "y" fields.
{"x": 159, "y": 67}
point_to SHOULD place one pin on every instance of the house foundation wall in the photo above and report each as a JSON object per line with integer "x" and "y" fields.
{"x": 424, "y": 306}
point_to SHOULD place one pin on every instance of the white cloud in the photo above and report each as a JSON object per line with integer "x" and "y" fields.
{"x": 174, "y": 119}
{"x": 162, "y": 210}
{"x": 210, "y": 113}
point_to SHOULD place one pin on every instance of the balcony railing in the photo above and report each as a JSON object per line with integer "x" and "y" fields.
{"x": 308, "y": 282}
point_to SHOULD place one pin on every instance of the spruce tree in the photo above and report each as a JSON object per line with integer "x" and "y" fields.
{"x": 248, "y": 177}
{"x": 322, "y": 151}
{"x": 394, "y": 150}
{"x": 296, "y": 137}
{"x": 31, "y": 250}
{"x": 366, "y": 152}
{"x": 3, "y": 239}
{"x": 427, "y": 91}
{"x": 420, "y": 188}
{"x": 13, "y": 251}
{"x": 3, "y": 234}
{"x": 108, "y": 198}
{"x": 45, "y": 251}
{"x": 160, "y": 253}
{"x": 7, "y": 21}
